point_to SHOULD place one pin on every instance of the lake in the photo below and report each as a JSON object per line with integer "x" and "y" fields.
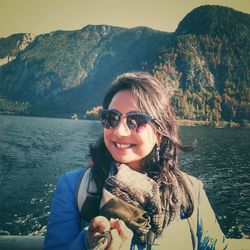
{"x": 34, "y": 152}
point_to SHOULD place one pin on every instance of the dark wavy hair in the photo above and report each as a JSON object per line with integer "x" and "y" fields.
{"x": 151, "y": 98}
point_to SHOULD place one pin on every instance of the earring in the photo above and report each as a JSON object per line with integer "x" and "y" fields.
{"x": 157, "y": 153}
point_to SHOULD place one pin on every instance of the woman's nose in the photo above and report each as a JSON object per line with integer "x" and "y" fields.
{"x": 122, "y": 128}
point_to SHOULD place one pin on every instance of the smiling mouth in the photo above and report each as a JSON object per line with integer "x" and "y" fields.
{"x": 122, "y": 145}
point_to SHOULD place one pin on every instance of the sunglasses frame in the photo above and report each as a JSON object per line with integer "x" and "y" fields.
{"x": 148, "y": 118}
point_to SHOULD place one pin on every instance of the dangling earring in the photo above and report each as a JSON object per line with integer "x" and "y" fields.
{"x": 157, "y": 153}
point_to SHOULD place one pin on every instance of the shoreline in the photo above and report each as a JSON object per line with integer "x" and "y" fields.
{"x": 180, "y": 122}
{"x": 212, "y": 124}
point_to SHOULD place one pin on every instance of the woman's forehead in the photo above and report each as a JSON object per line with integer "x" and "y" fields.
{"x": 123, "y": 99}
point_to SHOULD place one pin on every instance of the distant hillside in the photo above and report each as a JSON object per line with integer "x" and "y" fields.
{"x": 11, "y": 46}
{"x": 209, "y": 60}
{"x": 64, "y": 72}
{"x": 204, "y": 64}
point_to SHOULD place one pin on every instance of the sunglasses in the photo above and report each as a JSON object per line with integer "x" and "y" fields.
{"x": 110, "y": 118}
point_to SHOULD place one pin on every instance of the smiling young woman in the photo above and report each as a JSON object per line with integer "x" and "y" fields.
{"x": 138, "y": 179}
{"x": 127, "y": 145}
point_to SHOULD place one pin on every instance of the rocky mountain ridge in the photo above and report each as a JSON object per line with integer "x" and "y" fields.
{"x": 204, "y": 64}
{"x": 12, "y": 45}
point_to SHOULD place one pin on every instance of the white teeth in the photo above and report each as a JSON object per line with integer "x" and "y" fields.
{"x": 122, "y": 145}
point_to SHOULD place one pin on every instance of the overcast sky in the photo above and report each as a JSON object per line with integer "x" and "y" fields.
{"x": 43, "y": 16}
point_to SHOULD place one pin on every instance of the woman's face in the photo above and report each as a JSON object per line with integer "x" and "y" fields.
{"x": 125, "y": 145}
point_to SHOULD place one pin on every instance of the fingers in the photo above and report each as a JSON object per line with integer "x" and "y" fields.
{"x": 121, "y": 235}
{"x": 113, "y": 222}
{"x": 116, "y": 240}
{"x": 124, "y": 232}
{"x": 99, "y": 224}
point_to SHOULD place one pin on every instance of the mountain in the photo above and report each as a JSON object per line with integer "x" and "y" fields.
{"x": 64, "y": 72}
{"x": 11, "y": 46}
{"x": 214, "y": 21}
{"x": 209, "y": 60}
{"x": 204, "y": 64}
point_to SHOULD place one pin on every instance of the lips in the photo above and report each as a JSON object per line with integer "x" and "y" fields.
{"x": 123, "y": 145}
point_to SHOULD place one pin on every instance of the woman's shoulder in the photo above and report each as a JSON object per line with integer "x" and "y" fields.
{"x": 193, "y": 183}
{"x": 191, "y": 178}
{"x": 70, "y": 180}
{"x": 75, "y": 173}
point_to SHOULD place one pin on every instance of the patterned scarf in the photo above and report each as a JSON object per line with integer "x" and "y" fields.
{"x": 140, "y": 191}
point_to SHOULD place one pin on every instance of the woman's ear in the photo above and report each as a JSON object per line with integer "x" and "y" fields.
{"x": 158, "y": 139}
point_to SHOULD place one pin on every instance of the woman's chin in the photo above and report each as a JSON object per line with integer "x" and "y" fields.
{"x": 134, "y": 165}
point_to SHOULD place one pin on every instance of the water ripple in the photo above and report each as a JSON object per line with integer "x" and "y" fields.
{"x": 34, "y": 152}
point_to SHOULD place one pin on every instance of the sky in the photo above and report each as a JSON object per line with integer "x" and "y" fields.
{"x": 43, "y": 16}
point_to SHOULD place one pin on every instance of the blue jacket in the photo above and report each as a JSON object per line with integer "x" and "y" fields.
{"x": 200, "y": 232}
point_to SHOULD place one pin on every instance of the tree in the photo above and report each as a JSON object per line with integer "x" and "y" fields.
{"x": 94, "y": 113}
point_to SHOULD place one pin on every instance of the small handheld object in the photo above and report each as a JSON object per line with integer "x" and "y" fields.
{"x": 103, "y": 241}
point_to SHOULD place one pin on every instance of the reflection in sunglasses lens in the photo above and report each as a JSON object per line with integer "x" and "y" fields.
{"x": 111, "y": 118}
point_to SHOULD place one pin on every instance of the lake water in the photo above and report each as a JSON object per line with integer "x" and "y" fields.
{"x": 34, "y": 152}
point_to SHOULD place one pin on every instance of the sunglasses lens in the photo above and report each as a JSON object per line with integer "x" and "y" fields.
{"x": 109, "y": 119}
{"x": 136, "y": 121}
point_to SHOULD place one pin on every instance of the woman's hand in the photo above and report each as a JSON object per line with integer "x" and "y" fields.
{"x": 121, "y": 235}
{"x": 97, "y": 226}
